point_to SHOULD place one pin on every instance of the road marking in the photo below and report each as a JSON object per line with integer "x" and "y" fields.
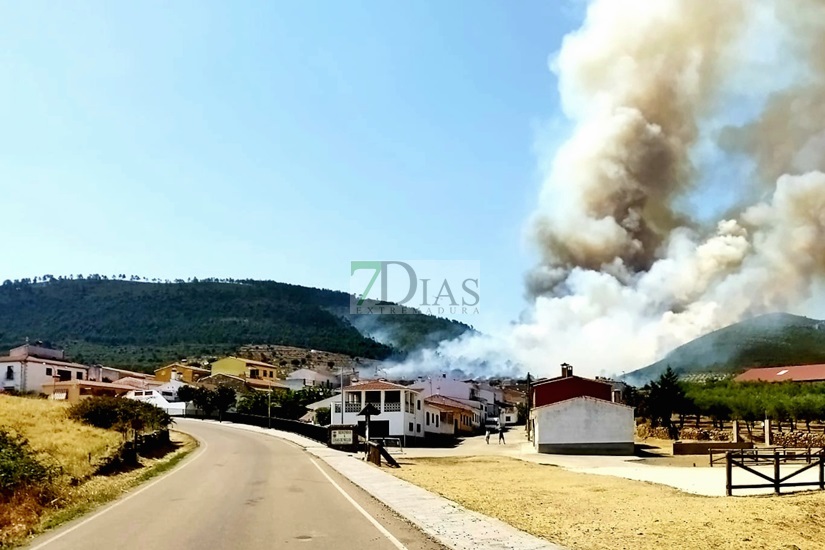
{"x": 381, "y": 528}
{"x": 203, "y": 446}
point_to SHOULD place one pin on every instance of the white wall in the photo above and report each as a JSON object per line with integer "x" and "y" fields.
{"x": 583, "y": 421}
{"x": 30, "y": 375}
{"x": 441, "y": 427}
{"x": 456, "y": 389}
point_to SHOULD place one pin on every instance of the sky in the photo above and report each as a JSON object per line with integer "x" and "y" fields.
{"x": 276, "y": 140}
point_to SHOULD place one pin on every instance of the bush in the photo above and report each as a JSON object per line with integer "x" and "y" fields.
{"x": 323, "y": 416}
{"x": 114, "y": 413}
{"x": 19, "y": 468}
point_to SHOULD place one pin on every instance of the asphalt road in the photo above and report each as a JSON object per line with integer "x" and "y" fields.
{"x": 241, "y": 490}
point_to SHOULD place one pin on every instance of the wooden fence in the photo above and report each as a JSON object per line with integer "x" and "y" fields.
{"x": 747, "y": 460}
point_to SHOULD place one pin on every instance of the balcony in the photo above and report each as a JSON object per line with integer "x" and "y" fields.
{"x": 392, "y": 407}
{"x": 352, "y": 407}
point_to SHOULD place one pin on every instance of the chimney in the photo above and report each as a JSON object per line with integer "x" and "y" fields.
{"x": 566, "y": 370}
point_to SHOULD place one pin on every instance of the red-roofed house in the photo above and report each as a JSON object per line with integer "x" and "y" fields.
{"x": 401, "y": 409}
{"x": 798, "y": 373}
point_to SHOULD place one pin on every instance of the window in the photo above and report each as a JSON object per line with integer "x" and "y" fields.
{"x": 418, "y": 428}
{"x": 419, "y": 404}
{"x": 411, "y": 426}
{"x": 48, "y": 371}
{"x": 436, "y": 421}
{"x": 428, "y": 419}
{"x": 79, "y": 375}
{"x": 9, "y": 373}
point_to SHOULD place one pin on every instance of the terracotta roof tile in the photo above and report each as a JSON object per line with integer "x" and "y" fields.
{"x": 377, "y": 385}
{"x": 798, "y": 373}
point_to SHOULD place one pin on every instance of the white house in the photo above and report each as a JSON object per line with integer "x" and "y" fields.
{"x": 583, "y": 425}
{"x": 308, "y": 377}
{"x": 438, "y": 419}
{"x": 458, "y": 390}
{"x": 35, "y": 368}
{"x": 401, "y": 409}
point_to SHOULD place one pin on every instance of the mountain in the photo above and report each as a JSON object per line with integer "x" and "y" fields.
{"x": 776, "y": 339}
{"x": 136, "y": 324}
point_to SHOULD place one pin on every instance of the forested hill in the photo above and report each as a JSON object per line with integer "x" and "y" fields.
{"x": 131, "y": 323}
{"x": 776, "y": 339}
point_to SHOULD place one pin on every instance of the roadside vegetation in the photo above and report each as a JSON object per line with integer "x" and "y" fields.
{"x": 51, "y": 453}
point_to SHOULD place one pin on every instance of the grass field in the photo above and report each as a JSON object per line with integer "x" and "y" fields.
{"x": 78, "y": 449}
{"x": 585, "y": 511}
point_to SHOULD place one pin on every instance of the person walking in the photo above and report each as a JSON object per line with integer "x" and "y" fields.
{"x": 487, "y": 437}
{"x": 501, "y": 436}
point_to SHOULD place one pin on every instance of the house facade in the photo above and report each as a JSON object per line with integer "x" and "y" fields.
{"x": 567, "y": 386}
{"x": 465, "y": 393}
{"x": 401, "y": 409}
{"x": 77, "y": 390}
{"x": 466, "y": 420}
{"x": 99, "y": 373}
{"x": 34, "y": 368}
{"x": 307, "y": 377}
{"x": 182, "y": 372}
{"x": 238, "y": 366}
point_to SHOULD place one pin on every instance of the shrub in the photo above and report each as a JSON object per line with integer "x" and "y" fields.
{"x": 323, "y": 416}
{"x": 113, "y": 413}
{"x": 19, "y": 468}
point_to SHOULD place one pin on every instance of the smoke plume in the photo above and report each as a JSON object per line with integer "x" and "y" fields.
{"x": 629, "y": 266}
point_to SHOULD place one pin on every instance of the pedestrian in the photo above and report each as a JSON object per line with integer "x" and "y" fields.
{"x": 487, "y": 437}
{"x": 501, "y": 436}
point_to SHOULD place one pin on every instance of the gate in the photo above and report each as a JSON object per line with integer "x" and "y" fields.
{"x": 747, "y": 460}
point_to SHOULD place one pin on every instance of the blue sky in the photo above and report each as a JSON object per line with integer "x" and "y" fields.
{"x": 275, "y": 140}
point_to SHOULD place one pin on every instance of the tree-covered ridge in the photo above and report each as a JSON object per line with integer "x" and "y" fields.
{"x": 777, "y": 339}
{"x": 129, "y": 322}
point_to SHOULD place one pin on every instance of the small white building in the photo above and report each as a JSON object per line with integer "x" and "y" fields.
{"x": 307, "y": 377}
{"x": 99, "y": 373}
{"x": 154, "y": 397}
{"x": 583, "y": 426}
{"x": 401, "y": 409}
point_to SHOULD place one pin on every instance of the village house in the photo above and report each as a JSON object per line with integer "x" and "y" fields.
{"x": 401, "y": 409}
{"x": 302, "y": 378}
{"x": 462, "y": 417}
{"x": 99, "y": 373}
{"x": 238, "y": 366}
{"x": 457, "y": 390}
{"x": 33, "y": 368}
{"x": 182, "y": 372}
{"x": 574, "y": 415}
{"x": 76, "y": 390}
{"x": 243, "y": 385}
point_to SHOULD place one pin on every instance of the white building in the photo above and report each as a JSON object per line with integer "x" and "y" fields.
{"x": 583, "y": 425}
{"x": 34, "y": 368}
{"x": 308, "y": 377}
{"x": 458, "y": 390}
{"x": 438, "y": 420}
{"x": 401, "y": 409}
{"x": 154, "y": 397}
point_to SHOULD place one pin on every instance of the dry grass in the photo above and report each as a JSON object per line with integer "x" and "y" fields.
{"x": 78, "y": 449}
{"x": 599, "y": 512}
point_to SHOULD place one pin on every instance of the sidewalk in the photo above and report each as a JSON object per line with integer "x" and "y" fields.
{"x": 447, "y": 522}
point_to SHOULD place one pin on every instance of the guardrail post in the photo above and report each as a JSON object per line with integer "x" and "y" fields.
{"x": 776, "y": 476}
{"x": 728, "y": 472}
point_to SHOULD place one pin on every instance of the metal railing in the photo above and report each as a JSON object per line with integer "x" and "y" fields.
{"x": 352, "y": 407}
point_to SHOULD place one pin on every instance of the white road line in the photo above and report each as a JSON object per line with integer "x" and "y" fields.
{"x": 390, "y": 537}
{"x": 203, "y": 447}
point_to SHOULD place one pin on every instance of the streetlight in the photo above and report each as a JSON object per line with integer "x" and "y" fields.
{"x": 269, "y": 405}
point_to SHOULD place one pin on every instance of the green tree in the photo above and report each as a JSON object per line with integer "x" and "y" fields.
{"x": 223, "y": 399}
{"x": 323, "y": 416}
{"x": 204, "y": 400}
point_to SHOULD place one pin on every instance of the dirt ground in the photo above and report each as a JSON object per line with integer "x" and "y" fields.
{"x": 583, "y": 511}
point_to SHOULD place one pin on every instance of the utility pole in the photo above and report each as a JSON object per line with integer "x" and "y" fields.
{"x": 269, "y": 405}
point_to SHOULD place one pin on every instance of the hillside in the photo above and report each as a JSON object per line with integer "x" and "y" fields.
{"x": 775, "y": 339}
{"x": 143, "y": 324}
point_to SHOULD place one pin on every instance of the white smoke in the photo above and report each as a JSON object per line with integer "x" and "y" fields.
{"x": 626, "y": 272}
